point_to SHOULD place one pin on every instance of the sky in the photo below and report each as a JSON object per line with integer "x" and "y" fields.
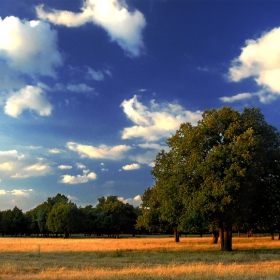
{"x": 91, "y": 89}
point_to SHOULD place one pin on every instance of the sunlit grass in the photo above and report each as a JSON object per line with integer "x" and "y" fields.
{"x": 138, "y": 258}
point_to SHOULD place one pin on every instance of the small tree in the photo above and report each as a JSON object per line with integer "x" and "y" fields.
{"x": 150, "y": 216}
{"x": 7, "y": 222}
{"x": 117, "y": 216}
{"x": 64, "y": 218}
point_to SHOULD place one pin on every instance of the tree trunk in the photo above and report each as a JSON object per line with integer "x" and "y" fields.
{"x": 250, "y": 233}
{"x": 66, "y": 235}
{"x": 278, "y": 234}
{"x": 215, "y": 237}
{"x": 221, "y": 233}
{"x": 272, "y": 235}
{"x": 238, "y": 233}
{"x": 176, "y": 235}
{"x": 225, "y": 238}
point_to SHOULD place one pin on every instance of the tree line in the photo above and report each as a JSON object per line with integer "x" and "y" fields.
{"x": 59, "y": 216}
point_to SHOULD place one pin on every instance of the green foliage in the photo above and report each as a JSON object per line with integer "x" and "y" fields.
{"x": 13, "y": 222}
{"x": 150, "y": 215}
{"x": 115, "y": 216}
{"x": 41, "y": 220}
{"x": 58, "y": 215}
{"x": 64, "y": 218}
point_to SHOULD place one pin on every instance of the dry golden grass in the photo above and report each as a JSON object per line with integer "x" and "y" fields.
{"x": 138, "y": 258}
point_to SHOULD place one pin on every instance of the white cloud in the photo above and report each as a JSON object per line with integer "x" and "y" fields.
{"x": 29, "y": 47}
{"x": 80, "y": 165}
{"x": 28, "y": 98}
{"x": 71, "y": 198}
{"x": 122, "y": 26}
{"x": 266, "y": 97}
{"x": 104, "y": 169}
{"x": 260, "y": 59}
{"x": 156, "y": 122}
{"x": 103, "y": 151}
{"x": 34, "y": 147}
{"x": 37, "y": 167}
{"x": 238, "y": 97}
{"x": 55, "y": 151}
{"x": 15, "y": 165}
{"x": 80, "y": 88}
{"x": 136, "y": 201}
{"x": 149, "y": 156}
{"x": 65, "y": 167}
{"x": 21, "y": 192}
{"x": 132, "y": 166}
{"x": 79, "y": 179}
{"x": 144, "y": 158}
{"x": 95, "y": 75}
{"x": 154, "y": 146}
{"x": 17, "y": 192}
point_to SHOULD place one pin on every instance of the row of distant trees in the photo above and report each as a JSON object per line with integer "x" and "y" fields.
{"x": 58, "y": 216}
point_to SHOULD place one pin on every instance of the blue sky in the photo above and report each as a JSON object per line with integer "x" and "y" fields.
{"x": 91, "y": 89}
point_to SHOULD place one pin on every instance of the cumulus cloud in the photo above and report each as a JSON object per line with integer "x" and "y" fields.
{"x": 55, "y": 151}
{"x": 148, "y": 156}
{"x": 132, "y": 166}
{"x": 156, "y": 122}
{"x": 17, "y": 192}
{"x": 154, "y": 146}
{"x": 16, "y": 165}
{"x": 29, "y": 47}
{"x": 123, "y": 26}
{"x": 266, "y": 97}
{"x": 21, "y": 192}
{"x": 28, "y": 98}
{"x": 238, "y": 97}
{"x": 71, "y": 198}
{"x": 79, "y": 179}
{"x": 260, "y": 59}
{"x": 64, "y": 167}
{"x": 80, "y": 165}
{"x": 136, "y": 201}
{"x": 144, "y": 157}
{"x": 34, "y": 147}
{"x": 103, "y": 151}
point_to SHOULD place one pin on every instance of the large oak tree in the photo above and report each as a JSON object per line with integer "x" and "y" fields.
{"x": 222, "y": 171}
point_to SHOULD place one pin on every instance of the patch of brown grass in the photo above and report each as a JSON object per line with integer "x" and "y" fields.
{"x": 138, "y": 258}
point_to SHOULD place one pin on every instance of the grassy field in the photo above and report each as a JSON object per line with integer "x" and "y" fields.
{"x": 138, "y": 258}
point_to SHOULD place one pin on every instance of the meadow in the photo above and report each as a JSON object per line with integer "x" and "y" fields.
{"x": 138, "y": 258}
